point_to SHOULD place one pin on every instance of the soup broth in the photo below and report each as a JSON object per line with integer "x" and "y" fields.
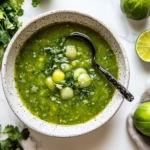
{"x": 55, "y": 78}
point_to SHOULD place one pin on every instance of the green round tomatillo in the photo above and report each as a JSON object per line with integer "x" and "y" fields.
{"x": 142, "y": 118}
{"x": 66, "y": 93}
{"x": 84, "y": 80}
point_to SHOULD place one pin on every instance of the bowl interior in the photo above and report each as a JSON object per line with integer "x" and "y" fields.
{"x": 8, "y": 73}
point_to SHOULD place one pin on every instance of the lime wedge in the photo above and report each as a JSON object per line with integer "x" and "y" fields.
{"x": 143, "y": 46}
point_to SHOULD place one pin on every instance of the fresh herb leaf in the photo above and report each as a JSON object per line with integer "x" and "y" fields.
{"x": 35, "y": 2}
{"x": 61, "y": 41}
{"x": 8, "y": 129}
{"x": 1, "y": 14}
{"x": 50, "y": 66}
{"x": 85, "y": 92}
{"x": 57, "y": 55}
{"x": 49, "y": 50}
{"x": 20, "y": 12}
{"x": 15, "y": 4}
{"x": 25, "y": 133}
{"x": 2, "y": 50}
{"x": 14, "y": 138}
{"x": 13, "y": 132}
{"x": 10, "y": 10}
{"x": 8, "y": 144}
{"x": 59, "y": 86}
{"x": 34, "y": 89}
{"x": 70, "y": 81}
{"x": 4, "y": 37}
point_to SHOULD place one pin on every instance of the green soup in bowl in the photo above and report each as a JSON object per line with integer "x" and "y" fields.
{"x": 36, "y": 63}
{"x": 50, "y": 82}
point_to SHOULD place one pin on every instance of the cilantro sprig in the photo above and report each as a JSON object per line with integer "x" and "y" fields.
{"x": 12, "y": 142}
{"x": 10, "y": 11}
{"x": 57, "y": 55}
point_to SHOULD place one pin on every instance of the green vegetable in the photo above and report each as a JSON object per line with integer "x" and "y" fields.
{"x": 84, "y": 80}
{"x": 57, "y": 55}
{"x": 50, "y": 83}
{"x": 78, "y": 71}
{"x": 69, "y": 81}
{"x": 85, "y": 92}
{"x": 10, "y": 10}
{"x": 65, "y": 67}
{"x": 14, "y": 138}
{"x": 142, "y": 118}
{"x": 71, "y": 52}
{"x": 34, "y": 89}
{"x": 66, "y": 93}
{"x": 136, "y": 9}
{"x": 35, "y": 2}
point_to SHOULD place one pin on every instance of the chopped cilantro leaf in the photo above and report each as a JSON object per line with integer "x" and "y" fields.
{"x": 14, "y": 138}
{"x": 34, "y": 89}
{"x": 57, "y": 55}
{"x": 25, "y": 133}
{"x": 35, "y": 2}
{"x": 85, "y": 92}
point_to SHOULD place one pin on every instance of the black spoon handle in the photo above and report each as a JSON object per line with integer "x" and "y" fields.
{"x": 117, "y": 84}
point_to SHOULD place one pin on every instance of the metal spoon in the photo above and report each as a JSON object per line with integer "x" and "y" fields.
{"x": 115, "y": 83}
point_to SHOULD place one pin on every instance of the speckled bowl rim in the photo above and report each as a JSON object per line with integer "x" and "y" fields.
{"x": 59, "y": 130}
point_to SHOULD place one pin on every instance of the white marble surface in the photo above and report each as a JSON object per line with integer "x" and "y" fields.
{"x": 112, "y": 135}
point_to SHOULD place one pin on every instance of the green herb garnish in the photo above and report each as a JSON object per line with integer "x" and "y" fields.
{"x": 34, "y": 89}
{"x": 35, "y": 2}
{"x": 10, "y": 11}
{"x": 57, "y": 56}
{"x": 14, "y": 138}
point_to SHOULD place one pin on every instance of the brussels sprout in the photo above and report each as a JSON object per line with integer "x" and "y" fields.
{"x": 84, "y": 80}
{"x": 66, "y": 93}
{"x": 65, "y": 67}
{"x": 71, "y": 52}
{"x": 50, "y": 83}
{"x": 136, "y": 9}
{"x": 78, "y": 71}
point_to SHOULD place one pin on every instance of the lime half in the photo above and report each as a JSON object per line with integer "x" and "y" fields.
{"x": 143, "y": 46}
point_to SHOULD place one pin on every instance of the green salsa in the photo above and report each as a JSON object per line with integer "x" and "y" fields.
{"x": 55, "y": 78}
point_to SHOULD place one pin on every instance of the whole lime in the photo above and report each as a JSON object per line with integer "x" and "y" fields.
{"x": 142, "y": 118}
{"x": 136, "y": 9}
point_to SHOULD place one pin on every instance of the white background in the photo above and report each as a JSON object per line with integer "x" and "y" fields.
{"x": 113, "y": 135}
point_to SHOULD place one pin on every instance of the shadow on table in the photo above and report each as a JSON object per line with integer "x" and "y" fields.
{"x": 137, "y": 25}
{"x": 145, "y": 65}
{"x": 83, "y": 142}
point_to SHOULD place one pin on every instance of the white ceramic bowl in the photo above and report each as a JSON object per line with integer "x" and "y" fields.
{"x": 8, "y": 73}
